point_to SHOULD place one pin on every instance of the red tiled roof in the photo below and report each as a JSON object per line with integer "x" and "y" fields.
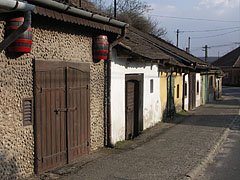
{"x": 169, "y": 47}
{"x": 141, "y": 47}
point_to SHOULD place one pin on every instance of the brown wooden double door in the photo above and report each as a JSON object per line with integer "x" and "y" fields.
{"x": 133, "y": 116}
{"x": 61, "y": 113}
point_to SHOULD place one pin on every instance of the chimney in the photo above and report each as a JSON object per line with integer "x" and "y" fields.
{"x": 187, "y": 50}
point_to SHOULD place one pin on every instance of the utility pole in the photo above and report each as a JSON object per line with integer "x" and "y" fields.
{"x": 177, "y": 36}
{"x": 115, "y": 9}
{"x": 189, "y": 41}
{"x": 206, "y": 52}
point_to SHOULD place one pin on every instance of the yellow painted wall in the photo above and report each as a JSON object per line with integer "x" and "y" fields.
{"x": 178, "y": 100}
{"x": 163, "y": 91}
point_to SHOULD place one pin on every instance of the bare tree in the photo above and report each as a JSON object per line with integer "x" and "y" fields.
{"x": 99, "y": 4}
{"x": 133, "y": 7}
{"x": 134, "y": 13}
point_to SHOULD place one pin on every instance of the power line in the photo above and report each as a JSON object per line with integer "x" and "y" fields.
{"x": 210, "y": 30}
{"x": 215, "y": 46}
{"x": 224, "y": 45}
{"x": 195, "y": 19}
{"x": 215, "y": 35}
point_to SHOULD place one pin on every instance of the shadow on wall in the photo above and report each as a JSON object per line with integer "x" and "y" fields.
{"x": 8, "y": 167}
{"x": 169, "y": 112}
{"x": 13, "y": 55}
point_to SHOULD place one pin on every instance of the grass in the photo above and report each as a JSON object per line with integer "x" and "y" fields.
{"x": 123, "y": 144}
{"x": 183, "y": 113}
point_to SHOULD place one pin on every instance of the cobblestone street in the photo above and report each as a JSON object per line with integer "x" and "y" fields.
{"x": 175, "y": 150}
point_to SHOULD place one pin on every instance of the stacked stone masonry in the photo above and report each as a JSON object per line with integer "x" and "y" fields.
{"x": 52, "y": 41}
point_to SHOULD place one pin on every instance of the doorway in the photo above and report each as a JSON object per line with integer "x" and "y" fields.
{"x": 62, "y": 129}
{"x": 133, "y": 105}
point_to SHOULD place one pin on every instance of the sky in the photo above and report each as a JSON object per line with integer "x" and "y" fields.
{"x": 222, "y": 35}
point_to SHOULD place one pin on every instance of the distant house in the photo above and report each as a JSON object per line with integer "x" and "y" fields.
{"x": 230, "y": 64}
{"x": 150, "y": 80}
{"x": 210, "y": 60}
{"x": 135, "y": 87}
{"x": 190, "y": 82}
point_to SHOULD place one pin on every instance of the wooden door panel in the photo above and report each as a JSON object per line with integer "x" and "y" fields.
{"x": 130, "y": 89}
{"x": 50, "y": 136}
{"x": 170, "y": 95}
{"x": 62, "y": 113}
{"x": 192, "y": 91}
{"x": 78, "y": 117}
{"x": 133, "y": 105}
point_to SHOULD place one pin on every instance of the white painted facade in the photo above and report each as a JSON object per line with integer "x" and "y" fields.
{"x": 151, "y": 101}
{"x": 186, "y": 98}
{"x": 198, "y": 95}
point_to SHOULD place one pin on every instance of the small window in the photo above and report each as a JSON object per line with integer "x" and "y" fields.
{"x": 27, "y": 111}
{"x": 151, "y": 86}
{"x": 178, "y": 91}
{"x": 185, "y": 89}
{"x": 197, "y": 87}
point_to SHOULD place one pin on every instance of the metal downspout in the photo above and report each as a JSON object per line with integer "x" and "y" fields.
{"x": 15, "y": 34}
{"x": 109, "y": 121}
{"x": 15, "y": 5}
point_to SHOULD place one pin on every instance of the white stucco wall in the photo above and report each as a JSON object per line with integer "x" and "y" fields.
{"x": 198, "y": 96}
{"x": 186, "y": 98}
{"x": 151, "y": 101}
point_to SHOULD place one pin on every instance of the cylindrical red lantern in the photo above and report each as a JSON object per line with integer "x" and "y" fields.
{"x": 24, "y": 42}
{"x": 100, "y": 47}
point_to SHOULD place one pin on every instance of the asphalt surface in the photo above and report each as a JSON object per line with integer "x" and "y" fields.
{"x": 226, "y": 164}
{"x": 168, "y": 151}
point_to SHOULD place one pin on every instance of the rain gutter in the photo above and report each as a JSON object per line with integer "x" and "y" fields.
{"x": 79, "y": 12}
{"x": 12, "y": 5}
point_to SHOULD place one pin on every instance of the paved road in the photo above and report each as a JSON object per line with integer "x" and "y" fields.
{"x": 226, "y": 165}
{"x": 168, "y": 151}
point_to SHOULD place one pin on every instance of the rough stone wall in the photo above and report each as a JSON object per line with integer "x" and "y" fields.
{"x": 97, "y": 105}
{"x": 52, "y": 41}
{"x": 16, "y": 140}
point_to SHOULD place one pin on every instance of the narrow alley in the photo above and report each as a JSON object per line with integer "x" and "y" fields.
{"x": 174, "y": 150}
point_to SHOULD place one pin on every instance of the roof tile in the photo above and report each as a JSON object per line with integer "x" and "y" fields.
{"x": 231, "y": 59}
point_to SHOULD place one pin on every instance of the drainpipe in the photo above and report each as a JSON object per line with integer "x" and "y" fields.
{"x": 109, "y": 122}
{"x": 27, "y": 21}
{"x": 12, "y": 5}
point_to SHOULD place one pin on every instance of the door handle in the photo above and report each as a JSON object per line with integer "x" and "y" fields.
{"x": 72, "y": 109}
{"x": 57, "y": 110}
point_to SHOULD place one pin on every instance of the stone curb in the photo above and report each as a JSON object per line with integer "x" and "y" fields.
{"x": 196, "y": 170}
{"x": 216, "y": 148}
